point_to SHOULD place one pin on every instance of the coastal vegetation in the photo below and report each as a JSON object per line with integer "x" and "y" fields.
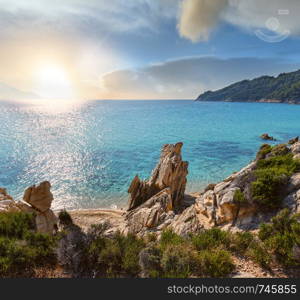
{"x": 274, "y": 167}
{"x": 208, "y": 253}
{"x": 22, "y": 249}
{"x": 283, "y": 88}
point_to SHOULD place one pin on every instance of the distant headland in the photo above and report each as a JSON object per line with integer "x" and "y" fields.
{"x": 285, "y": 88}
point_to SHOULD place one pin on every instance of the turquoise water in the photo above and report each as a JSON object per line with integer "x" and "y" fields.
{"x": 91, "y": 151}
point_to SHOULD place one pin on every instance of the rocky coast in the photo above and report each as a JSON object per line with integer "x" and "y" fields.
{"x": 240, "y": 203}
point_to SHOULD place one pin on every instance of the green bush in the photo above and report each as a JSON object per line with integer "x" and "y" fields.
{"x": 168, "y": 237}
{"x": 271, "y": 178}
{"x": 150, "y": 261}
{"x": 259, "y": 254}
{"x": 131, "y": 246}
{"x": 65, "y": 218}
{"x": 179, "y": 261}
{"x": 209, "y": 239}
{"x": 21, "y": 248}
{"x": 263, "y": 151}
{"x": 239, "y": 197}
{"x": 280, "y": 149}
{"x": 115, "y": 256}
{"x": 43, "y": 247}
{"x": 16, "y": 224}
{"x": 280, "y": 235}
{"x": 284, "y": 163}
{"x": 216, "y": 263}
{"x": 240, "y": 242}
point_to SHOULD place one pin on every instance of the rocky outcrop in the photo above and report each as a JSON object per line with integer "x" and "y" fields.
{"x": 153, "y": 203}
{"x": 170, "y": 172}
{"x": 39, "y": 197}
{"x": 217, "y": 205}
{"x": 294, "y": 140}
{"x": 37, "y": 200}
{"x": 7, "y": 203}
{"x": 70, "y": 251}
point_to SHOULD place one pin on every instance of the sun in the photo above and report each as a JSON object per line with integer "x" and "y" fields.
{"x": 52, "y": 81}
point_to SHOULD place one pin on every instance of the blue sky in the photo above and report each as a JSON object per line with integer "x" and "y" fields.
{"x": 142, "y": 49}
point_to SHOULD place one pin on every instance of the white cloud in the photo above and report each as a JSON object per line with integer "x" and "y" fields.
{"x": 89, "y": 16}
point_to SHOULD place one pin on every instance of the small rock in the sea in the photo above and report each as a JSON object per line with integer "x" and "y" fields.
{"x": 266, "y": 136}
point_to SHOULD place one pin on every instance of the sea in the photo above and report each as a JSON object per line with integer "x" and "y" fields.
{"x": 91, "y": 150}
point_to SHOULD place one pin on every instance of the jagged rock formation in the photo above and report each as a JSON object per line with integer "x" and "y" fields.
{"x": 152, "y": 202}
{"x": 37, "y": 200}
{"x": 170, "y": 172}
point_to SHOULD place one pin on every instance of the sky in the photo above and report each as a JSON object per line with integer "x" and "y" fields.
{"x": 142, "y": 49}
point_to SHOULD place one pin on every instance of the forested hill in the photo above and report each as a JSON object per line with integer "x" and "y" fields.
{"x": 283, "y": 88}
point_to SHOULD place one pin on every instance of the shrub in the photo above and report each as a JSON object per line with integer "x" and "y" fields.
{"x": 280, "y": 235}
{"x": 116, "y": 255}
{"x": 284, "y": 163}
{"x": 16, "y": 224}
{"x": 149, "y": 261}
{"x": 263, "y": 151}
{"x": 168, "y": 237}
{"x": 267, "y": 189}
{"x": 21, "y": 248}
{"x": 239, "y": 197}
{"x": 65, "y": 218}
{"x": 217, "y": 263}
{"x": 179, "y": 261}
{"x": 43, "y": 247}
{"x": 131, "y": 246}
{"x": 259, "y": 254}
{"x": 110, "y": 259}
{"x": 280, "y": 149}
{"x": 211, "y": 238}
{"x": 241, "y": 241}
{"x": 271, "y": 178}
{"x": 19, "y": 258}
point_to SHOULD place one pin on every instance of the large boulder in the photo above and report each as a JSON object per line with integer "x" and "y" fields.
{"x": 152, "y": 215}
{"x": 46, "y": 222}
{"x": 37, "y": 200}
{"x": 170, "y": 172}
{"x": 39, "y": 197}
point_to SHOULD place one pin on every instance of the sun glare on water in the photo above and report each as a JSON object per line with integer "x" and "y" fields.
{"x": 53, "y": 82}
